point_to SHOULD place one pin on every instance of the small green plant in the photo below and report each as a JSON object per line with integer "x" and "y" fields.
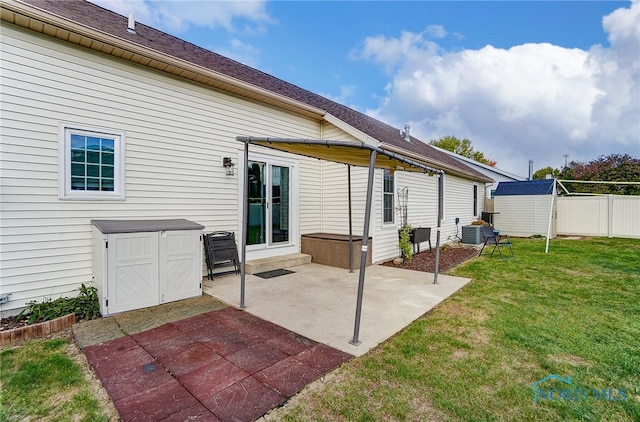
{"x": 86, "y": 306}
{"x": 406, "y": 248}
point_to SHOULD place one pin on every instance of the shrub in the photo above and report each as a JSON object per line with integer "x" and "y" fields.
{"x": 406, "y": 248}
{"x": 86, "y": 306}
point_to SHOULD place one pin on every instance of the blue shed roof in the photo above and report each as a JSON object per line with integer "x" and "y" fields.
{"x": 526, "y": 187}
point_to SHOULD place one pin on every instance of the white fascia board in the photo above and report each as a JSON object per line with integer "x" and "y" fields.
{"x": 356, "y": 133}
{"x": 481, "y": 165}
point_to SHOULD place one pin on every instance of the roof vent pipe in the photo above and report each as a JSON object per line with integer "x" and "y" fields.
{"x": 406, "y": 135}
{"x": 131, "y": 27}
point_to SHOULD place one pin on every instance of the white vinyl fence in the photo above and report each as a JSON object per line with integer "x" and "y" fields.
{"x": 605, "y": 216}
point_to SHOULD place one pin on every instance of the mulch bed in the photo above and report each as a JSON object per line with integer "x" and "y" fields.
{"x": 9, "y": 323}
{"x": 450, "y": 256}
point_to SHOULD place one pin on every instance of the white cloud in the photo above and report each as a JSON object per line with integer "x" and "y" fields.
{"x": 436, "y": 31}
{"x": 390, "y": 53}
{"x": 176, "y": 16}
{"x": 532, "y": 101}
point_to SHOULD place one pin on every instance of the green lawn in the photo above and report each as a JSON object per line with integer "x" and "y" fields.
{"x": 572, "y": 312}
{"x": 39, "y": 381}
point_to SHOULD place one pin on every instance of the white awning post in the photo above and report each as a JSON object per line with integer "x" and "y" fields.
{"x": 553, "y": 196}
{"x": 245, "y": 223}
{"x": 440, "y": 205}
{"x": 365, "y": 249}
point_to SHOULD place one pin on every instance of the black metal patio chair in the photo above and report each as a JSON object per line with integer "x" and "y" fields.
{"x": 221, "y": 251}
{"x": 499, "y": 241}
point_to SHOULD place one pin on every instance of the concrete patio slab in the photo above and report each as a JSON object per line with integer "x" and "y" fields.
{"x": 319, "y": 301}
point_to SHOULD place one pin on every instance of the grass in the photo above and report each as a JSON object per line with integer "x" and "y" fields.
{"x": 573, "y": 312}
{"x": 39, "y": 381}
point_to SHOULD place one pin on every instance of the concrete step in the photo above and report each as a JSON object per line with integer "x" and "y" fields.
{"x": 277, "y": 262}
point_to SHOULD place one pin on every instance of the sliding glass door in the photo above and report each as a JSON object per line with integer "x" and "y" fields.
{"x": 269, "y": 204}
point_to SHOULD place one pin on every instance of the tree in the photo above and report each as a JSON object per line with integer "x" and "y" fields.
{"x": 609, "y": 168}
{"x": 542, "y": 173}
{"x": 461, "y": 147}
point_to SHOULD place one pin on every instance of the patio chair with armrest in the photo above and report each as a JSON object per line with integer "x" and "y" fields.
{"x": 492, "y": 237}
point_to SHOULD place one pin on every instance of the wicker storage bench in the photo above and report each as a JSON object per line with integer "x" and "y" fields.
{"x": 333, "y": 249}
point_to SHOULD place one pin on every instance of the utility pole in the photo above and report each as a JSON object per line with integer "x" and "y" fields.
{"x": 565, "y": 160}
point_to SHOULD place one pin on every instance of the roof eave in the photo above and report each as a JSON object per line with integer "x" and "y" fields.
{"x": 436, "y": 163}
{"x": 35, "y": 19}
{"x": 482, "y": 165}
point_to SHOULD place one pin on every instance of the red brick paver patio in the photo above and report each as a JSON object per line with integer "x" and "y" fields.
{"x": 225, "y": 365}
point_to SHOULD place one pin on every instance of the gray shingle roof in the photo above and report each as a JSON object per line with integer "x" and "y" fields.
{"x": 111, "y": 23}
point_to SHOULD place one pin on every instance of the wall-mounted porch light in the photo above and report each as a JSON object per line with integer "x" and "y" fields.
{"x": 228, "y": 165}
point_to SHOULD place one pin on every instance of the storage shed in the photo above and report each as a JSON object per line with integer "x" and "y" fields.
{"x": 524, "y": 208}
{"x": 141, "y": 263}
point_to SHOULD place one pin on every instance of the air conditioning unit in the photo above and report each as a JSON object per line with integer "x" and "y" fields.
{"x": 472, "y": 234}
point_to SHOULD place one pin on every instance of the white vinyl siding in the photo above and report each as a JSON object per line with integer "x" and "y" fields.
{"x": 459, "y": 204}
{"x": 335, "y": 191}
{"x": 422, "y": 209}
{"x": 335, "y": 198}
{"x": 177, "y": 133}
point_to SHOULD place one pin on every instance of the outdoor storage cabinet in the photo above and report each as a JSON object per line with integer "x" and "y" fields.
{"x": 141, "y": 263}
{"x": 333, "y": 249}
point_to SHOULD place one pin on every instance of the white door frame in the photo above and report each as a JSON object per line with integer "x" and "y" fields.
{"x": 266, "y": 250}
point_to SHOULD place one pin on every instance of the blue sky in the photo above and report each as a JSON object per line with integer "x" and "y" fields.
{"x": 521, "y": 80}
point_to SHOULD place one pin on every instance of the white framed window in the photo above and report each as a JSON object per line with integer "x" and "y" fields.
{"x": 91, "y": 163}
{"x": 475, "y": 200}
{"x": 388, "y": 210}
{"x": 441, "y": 205}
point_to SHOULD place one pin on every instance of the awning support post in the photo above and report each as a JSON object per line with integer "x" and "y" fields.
{"x": 245, "y": 223}
{"x": 440, "y": 205}
{"x": 365, "y": 249}
{"x": 350, "y": 222}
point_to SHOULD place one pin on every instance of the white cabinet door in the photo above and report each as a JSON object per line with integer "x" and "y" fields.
{"x": 133, "y": 271}
{"x": 180, "y": 257}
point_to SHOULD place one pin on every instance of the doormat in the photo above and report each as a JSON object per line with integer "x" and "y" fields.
{"x": 274, "y": 273}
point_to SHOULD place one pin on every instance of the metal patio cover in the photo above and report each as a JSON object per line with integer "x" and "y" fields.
{"x": 346, "y": 152}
